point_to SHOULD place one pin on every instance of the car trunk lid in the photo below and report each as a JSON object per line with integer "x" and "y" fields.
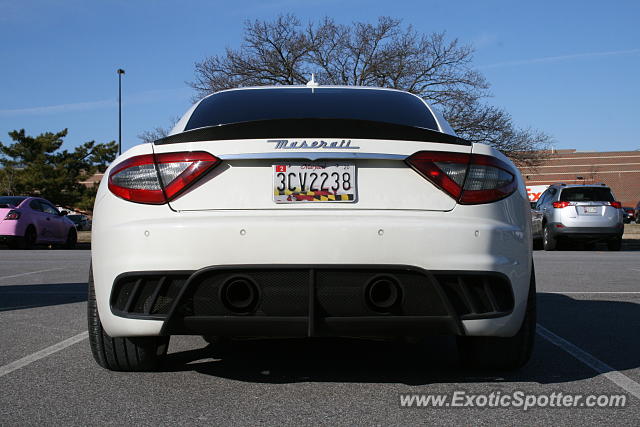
{"x": 245, "y": 177}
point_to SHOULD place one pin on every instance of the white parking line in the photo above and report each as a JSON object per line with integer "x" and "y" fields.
{"x": 27, "y": 360}
{"x": 31, "y": 272}
{"x": 18, "y": 307}
{"x": 597, "y": 365}
{"x": 594, "y": 292}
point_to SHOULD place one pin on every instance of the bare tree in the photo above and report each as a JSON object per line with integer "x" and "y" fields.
{"x": 384, "y": 54}
{"x": 157, "y": 132}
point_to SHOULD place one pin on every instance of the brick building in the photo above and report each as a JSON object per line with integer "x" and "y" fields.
{"x": 620, "y": 170}
{"x": 93, "y": 180}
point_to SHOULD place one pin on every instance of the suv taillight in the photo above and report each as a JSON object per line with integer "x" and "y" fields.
{"x": 470, "y": 179}
{"x": 560, "y": 205}
{"x": 157, "y": 179}
{"x": 616, "y": 205}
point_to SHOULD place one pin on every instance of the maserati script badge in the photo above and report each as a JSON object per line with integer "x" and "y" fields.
{"x": 285, "y": 144}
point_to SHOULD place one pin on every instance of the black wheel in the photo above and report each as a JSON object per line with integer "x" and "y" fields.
{"x": 29, "y": 239}
{"x": 549, "y": 243}
{"x": 614, "y": 244}
{"x": 537, "y": 244}
{"x": 72, "y": 239}
{"x": 133, "y": 354}
{"x": 503, "y": 353}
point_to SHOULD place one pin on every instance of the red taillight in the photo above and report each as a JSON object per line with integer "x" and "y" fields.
{"x": 468, "y": 178}
{"x": 616, "y": 205}
{"x": 560, "y": 205}
{"x": 12, "y": 215}
{"x": 157, "y": 179}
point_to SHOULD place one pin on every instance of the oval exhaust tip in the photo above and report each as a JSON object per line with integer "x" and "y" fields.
{"x": 382, "y": 294}
{"x": 239, "y": 295}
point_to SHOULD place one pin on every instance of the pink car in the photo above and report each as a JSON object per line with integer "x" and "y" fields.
{"x": 27, "y": 221}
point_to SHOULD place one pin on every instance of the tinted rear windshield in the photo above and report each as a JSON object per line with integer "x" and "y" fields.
{"x": 250, "y": 105}
{"x": 586, "y": 194}
{"x": 11, "y": 200}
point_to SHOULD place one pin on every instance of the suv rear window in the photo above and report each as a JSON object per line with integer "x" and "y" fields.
{"x": 586, "y": 194}
{"x": 250, "y": 105}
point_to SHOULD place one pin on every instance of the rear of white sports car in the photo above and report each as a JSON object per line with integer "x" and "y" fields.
{"x": 304, "y": 212}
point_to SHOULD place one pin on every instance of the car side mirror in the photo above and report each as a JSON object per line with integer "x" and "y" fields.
{"x": 63, "y": 213}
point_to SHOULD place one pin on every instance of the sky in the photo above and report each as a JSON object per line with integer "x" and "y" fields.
{"x": 568, "y": 68}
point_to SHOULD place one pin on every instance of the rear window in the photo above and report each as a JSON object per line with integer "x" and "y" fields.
{"x": 250, "y": 105}
{"x": 6, "y": 201}
{"x": 586, "y": 194}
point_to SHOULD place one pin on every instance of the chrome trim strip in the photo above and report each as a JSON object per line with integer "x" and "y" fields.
{"x": 311, "y": 156}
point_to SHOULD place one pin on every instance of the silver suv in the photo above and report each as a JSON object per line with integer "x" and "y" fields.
{"x": 585, "y": 212}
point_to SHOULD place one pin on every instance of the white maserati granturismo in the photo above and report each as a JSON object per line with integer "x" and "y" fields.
{"x": 310, "y": 211}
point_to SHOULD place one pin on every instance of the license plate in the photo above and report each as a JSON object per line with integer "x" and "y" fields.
{"x": 314, "y": 182}
{"x": 590, "y": 209}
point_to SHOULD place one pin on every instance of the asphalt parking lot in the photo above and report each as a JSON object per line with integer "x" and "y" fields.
{"x": 587, "y": 344}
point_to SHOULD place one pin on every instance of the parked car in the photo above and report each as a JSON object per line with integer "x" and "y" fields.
{"x": 81, "y": 222}
{"x": 311, "y": 211}
{"x": 588, "y": 213}
{"x": 628, "y": 214}
{"x": 636, "y": 213}
{"x": 28, "y": 221}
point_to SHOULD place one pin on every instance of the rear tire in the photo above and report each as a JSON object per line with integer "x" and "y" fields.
{"x": 537, "y": 244}
{"x": 72, "y": 239}
{"x": 614, "y": 244}
{"x": 503, "y": 353}
{"x": 135, "y": 354}
{"x": 549, "y": 243}
{"x": 29, "y": 239}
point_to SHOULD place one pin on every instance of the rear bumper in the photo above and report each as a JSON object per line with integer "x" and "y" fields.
{"x": 11, "y": 228}
{"x": 316, "y": 300}
{"x": 588, "y": 232}
{"x": 463, "y": 240}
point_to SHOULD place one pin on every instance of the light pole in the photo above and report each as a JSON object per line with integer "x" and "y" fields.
{"x": 120, "y": 72}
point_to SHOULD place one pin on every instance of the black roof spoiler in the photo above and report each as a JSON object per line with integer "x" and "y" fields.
{"x": 310, "y": 129}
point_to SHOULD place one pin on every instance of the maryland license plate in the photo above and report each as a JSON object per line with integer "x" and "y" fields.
{"x": 314, "y": 182}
